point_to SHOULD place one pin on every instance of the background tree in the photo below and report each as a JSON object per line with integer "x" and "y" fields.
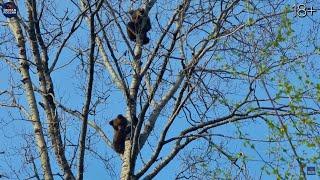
{"x": 224, "y": 89}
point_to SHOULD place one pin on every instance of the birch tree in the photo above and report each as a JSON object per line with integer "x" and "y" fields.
{"x": 224, "y": 89}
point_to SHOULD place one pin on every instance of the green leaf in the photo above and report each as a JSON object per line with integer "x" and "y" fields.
{"x": 250, "y": 22}
{"x": 311, "y": 145}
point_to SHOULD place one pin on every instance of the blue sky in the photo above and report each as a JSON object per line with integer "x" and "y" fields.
{"x": 67, "y": 80}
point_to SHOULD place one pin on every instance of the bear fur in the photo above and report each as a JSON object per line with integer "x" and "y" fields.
{"x": 121, "y": 128}
{"x": 135, "y": 26}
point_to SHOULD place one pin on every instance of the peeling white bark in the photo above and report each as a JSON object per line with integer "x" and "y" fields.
{"x": 35, "y": 118}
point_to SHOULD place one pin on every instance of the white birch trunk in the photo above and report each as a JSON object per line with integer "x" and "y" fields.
{"x": 37, "y": 126}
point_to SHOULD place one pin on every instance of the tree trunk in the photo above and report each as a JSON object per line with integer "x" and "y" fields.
{"x": 37, "y": 126}
{"x": 47, "y": 93}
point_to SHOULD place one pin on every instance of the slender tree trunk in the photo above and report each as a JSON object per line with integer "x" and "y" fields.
{"x": 47, "y": 91}
{"x": 24, "y": 70}
{"x": 126, "y": 165}
{"x": 86, "y": 108}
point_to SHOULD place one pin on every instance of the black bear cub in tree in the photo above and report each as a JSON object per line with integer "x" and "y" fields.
{"x": 135, "y": 26}
{"x": 121, "y": 129}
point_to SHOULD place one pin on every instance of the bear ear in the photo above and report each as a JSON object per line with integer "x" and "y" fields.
{"x": 131, "y": 12}
{"x": 120, "y": 116}
{"x": 142, "y": 10}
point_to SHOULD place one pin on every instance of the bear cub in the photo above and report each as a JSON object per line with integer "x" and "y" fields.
{"x": 135, "y": 26}
{"x": 121, "y": 128}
